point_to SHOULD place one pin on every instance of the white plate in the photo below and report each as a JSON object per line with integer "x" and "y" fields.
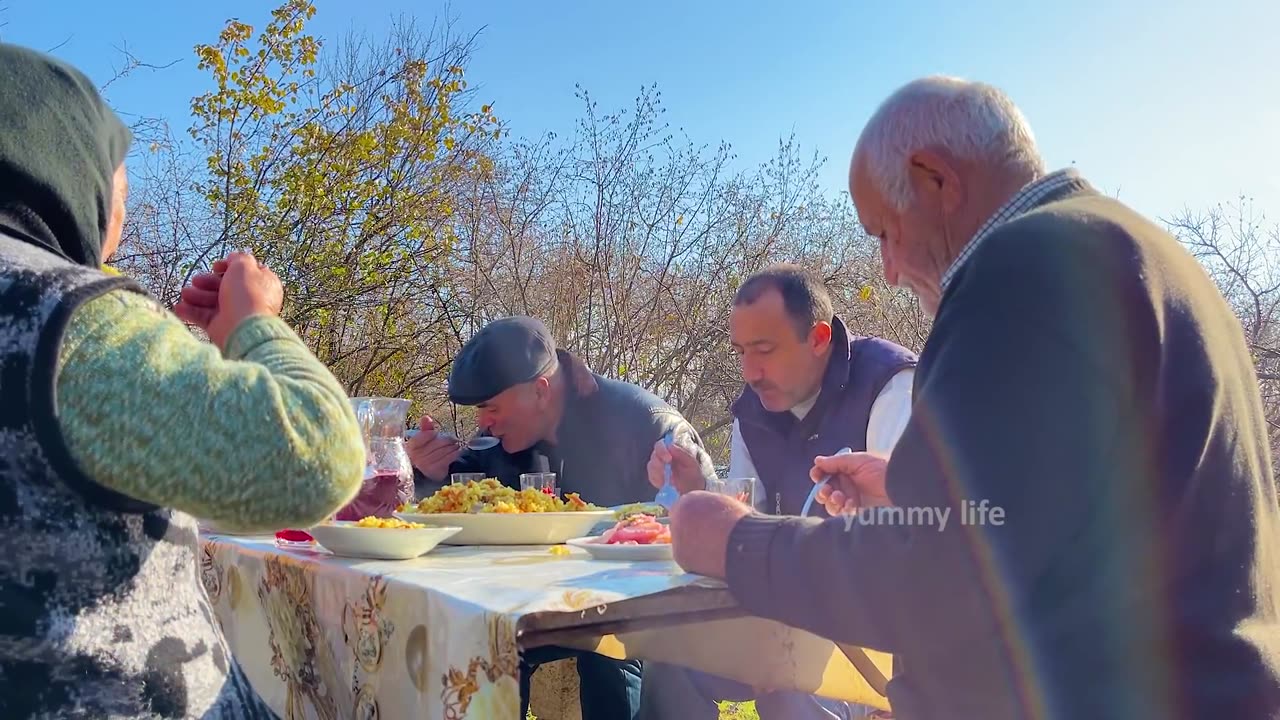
{"x": 347, "y": 539}
{"x": 602, "y": 551}
{"x": 546, "y": 528}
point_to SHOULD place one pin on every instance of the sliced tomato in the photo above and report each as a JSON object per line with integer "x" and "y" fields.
{"x": 297, "y": 536}
{"x": 639, "y": 529}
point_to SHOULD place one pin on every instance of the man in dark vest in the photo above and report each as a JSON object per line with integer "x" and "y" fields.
{"x": 1086, "y": 410}
{"x": 811, "y": 389}
{"x": 552, "y": 414}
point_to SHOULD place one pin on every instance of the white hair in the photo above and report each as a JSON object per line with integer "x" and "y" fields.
{"x": 973, "y": 120}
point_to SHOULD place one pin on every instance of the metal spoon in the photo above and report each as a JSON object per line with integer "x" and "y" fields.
{"x": 483, "y": 442}
{"x": 480, "y": 442}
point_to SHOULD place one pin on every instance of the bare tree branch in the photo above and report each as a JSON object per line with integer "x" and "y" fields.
{"x": 53, "y": 49}
{"x": 131, "y": 65}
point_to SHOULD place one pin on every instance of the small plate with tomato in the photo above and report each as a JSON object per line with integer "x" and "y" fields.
{"x": 635, "y": 537}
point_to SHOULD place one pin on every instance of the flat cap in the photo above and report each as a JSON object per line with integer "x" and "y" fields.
{"x": 504, "y": 353}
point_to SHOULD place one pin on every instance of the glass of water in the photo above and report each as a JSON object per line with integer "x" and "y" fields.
{"x": 464, "y": 478}
{"x": 745, "y": 490}
{"x": 542, "y": 482}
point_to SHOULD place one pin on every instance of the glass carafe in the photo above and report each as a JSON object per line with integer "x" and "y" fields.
{"x": 388, "y": 474}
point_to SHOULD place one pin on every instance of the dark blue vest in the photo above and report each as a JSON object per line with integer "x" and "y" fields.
{"x": 782, "y": 447}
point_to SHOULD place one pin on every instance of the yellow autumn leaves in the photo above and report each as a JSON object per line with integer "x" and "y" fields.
{"x": 345, "y": 174}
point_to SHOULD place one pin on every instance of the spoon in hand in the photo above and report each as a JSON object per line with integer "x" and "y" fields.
{"x": 668, "y": 495}
{"x": 482, "y": 442}
{"x": 813, "y": 494}
{"x": 479, "y": 442}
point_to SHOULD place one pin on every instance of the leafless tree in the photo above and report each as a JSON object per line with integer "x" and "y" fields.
{"x": 1241, "y": 251}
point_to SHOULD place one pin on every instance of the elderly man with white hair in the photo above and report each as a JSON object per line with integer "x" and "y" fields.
{"x": 1086, "y": 414}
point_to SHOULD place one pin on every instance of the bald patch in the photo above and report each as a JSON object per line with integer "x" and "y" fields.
{"x": 856, "y": 163}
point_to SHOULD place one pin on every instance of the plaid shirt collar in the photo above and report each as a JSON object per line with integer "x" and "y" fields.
{"x": 1030, "y": 196}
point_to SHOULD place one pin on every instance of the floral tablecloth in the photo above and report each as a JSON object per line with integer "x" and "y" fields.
{"x": 437, "y": 637}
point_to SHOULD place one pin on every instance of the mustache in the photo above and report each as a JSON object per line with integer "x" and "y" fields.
{"x": 763, "y": 386}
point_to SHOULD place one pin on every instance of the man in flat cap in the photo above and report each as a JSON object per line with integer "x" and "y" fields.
{"x": 552, "y": 414}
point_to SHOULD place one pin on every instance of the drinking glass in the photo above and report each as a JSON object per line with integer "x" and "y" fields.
{"x": 543, "y": 482}
{"x": 464, "y": 478}
{"x": 745, "y": 490}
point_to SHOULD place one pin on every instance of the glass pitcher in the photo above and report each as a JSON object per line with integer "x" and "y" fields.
{"x": 388, "y": 474}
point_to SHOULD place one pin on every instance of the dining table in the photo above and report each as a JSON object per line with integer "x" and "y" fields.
{"x": 439, "y": 637}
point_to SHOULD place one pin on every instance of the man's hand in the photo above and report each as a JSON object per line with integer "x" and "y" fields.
{"x": 432, "y": 452}
{"x": 686, "y": 471}
{"x": 857, "y": 481}
{"x": 700, "y": 527}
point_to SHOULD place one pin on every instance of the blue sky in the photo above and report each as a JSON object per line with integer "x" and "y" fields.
{"x": 1170, "y": 104}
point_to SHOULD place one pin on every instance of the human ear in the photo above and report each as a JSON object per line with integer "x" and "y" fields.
{"x": 933, "y": 176}
{"x": 542, "y": 391}
{"x": 820, "y": 336}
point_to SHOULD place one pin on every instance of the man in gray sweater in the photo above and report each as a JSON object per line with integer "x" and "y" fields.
{"x": 1086, "y": 415}
{"x": 551, "y": 413}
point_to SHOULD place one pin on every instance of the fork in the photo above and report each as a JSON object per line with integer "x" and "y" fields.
{"x": 668, "y": 495}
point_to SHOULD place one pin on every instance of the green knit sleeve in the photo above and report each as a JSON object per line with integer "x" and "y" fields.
{"x": 262, "y": 439}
